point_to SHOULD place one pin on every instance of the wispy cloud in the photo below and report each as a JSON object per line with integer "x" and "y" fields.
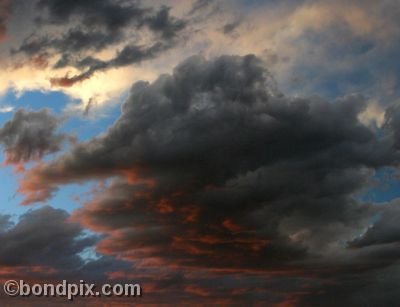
{"x": 6, "y": 109}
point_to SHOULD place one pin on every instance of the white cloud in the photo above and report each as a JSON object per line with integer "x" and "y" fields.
{"x": 6, "y": 109}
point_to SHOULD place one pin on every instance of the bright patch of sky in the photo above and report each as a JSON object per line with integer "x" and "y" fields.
{"x": 385, "y": 186}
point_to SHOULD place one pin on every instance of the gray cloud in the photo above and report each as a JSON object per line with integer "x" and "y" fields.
{"x": 228, "y": 28}
{"x": 218, "y": 134}
{"x": 385, "y": 230}
{"x": 101, "y": 24}
{"x": 31, "y": 135}
{"x": 130, "y": 54}
{"x": 5, "y": 12}
{"x": 199, "y": 5}
{"x": 45, "y": 245}
{"x": 44, "y": 237}
{"x": 215, "y": 169}
{"x": 5, "y": 222}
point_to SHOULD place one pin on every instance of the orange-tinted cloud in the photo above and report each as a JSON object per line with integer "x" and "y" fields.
{"x": 67, "y": 81}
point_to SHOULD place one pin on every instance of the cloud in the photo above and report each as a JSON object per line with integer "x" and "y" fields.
{"x": 222, "y": 188}
{"x": 392, "y": 122}
{"x": 45, "y": 246}
{"x": 74, "y": 40}
{"x": 113, "y": 15}
{"x": 104, "y": 24}
{"x": 199, "y": 5}
{"x": 263, "y": 26}
{"x": 386, "y": 230}
{"x": 130, "y": 54}
{"x": 363, "y": 287}
{"x": 215, "y": 169}
{"x": 230, "y": 27}
{"x": 30, "y": 136}
{"x": 5, "y": 12}
{"x": 6, "y": 109}
{"x": 44, "y": 237}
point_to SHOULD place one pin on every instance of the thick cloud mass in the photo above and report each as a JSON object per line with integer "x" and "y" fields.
{"x": 216, "y": 170}
{"x": 44, "y": 237}
{"x": 30, "y": 135}
{"x": 217, "y": 139}
{"x": 214, "y": 186}
{"x": 45, "y": 246}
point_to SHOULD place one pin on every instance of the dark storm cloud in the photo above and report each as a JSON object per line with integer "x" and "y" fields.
{"x": 31, "y": 135}
{"x": 113, "y": 15}
{"x": 162, "y": 22}
{"x": 160, "y": 233}
{"x": 44, "y": 237}
{"x": 45, "y": 246}
{"x": 371, "y": 287}
{"x": 234, "y": 97}
{"x": 5, "y": 222}
{"x": 385, "y": 230}
{"x": 221, "y": 171}
{"x": 99, "y": 27}
{"x": 89, "y": 26}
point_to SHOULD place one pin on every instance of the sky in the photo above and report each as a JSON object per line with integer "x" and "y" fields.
{"x": 219, "y": 153}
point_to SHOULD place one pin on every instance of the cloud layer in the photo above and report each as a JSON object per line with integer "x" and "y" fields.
{"x": 214, "y": 169}
{"x": 215, "y": 185}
